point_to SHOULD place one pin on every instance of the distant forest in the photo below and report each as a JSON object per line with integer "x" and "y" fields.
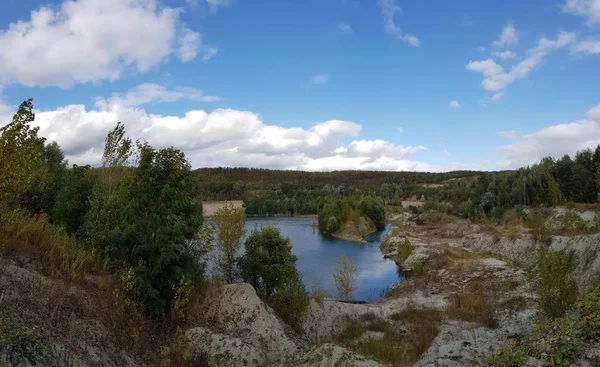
{"x": 469, "y": 194}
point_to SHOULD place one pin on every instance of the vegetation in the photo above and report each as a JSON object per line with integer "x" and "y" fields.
{"x": 559, "y": 341}
{"x": 345, "y": 276}
{"x": 404, "y": 250}
{"x": 554, "y": 281}
{"x": 270, "y": 267}
{"x": 334, "y": 213}
{"x": 229, "y": 227}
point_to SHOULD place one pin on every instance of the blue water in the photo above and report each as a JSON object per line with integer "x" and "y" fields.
{"x": 317, "y": 257}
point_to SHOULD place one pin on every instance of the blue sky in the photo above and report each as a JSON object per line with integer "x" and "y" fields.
{"x": 312, "y": 84}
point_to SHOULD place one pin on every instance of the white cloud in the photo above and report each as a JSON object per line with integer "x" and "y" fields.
{"x": 497, "y": 96}
{"x": 345, "y": 27}
{"x": 400, "y": 129}
{"x": 479, "y": 49}
{"x": 446, "y": 153}
{"x": 454, "y": 104}
{"x": 585, "y": 8}
{"x": 320, "y": 79}
{"x": 510, "y": 134}
{"x": 495, "y": 78}
{"x": 507, "y": 37}
{"x": 223, "y": 137}
{"x": 588, "y": 46}
{"x": 389, "y": 8}
{"x": 88, "y": 41}
{"x": 215, "y": 4}
{"x": 209, "y": 53}
{"x": 148, "y": 92}
{"x": 504, "y": 55}
{"x": 553, "y": 141}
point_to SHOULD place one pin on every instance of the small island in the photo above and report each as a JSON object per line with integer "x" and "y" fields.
{"x": 351, "y": 219}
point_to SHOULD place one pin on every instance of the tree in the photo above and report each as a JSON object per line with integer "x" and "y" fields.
{"x": 107, "y": 199}
{"x": 74, "y": 198}
{"x": 268, "y": 262}
{"x": 229, "y": 227}
{"x": 157, "y": 228}
{"x": 21, "y": 155}
{"x": 345, "y": 276}
{"x": 291, "y": 301}
{"x": 41, "y": 195}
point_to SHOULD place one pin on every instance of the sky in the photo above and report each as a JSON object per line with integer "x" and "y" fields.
{"x": 428, "y": 85}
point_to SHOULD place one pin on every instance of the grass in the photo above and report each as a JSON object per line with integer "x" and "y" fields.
{"x": 57, "y": 252}
{"x": 393, "y": 348}
{"x": 473, "y": 306}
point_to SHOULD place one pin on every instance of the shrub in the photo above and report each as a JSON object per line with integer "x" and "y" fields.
{"x": 268, "y": 262}
{"x": 17, "y": 341}
{"x": 345, "y": 276}
{"x": 404, "y": 250}
{"x": 290, "y": 302}
{"x": 554, "y": 281}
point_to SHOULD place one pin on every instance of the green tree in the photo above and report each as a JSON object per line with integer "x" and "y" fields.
{"x": 41, "y": 195}
{"x": 21, "y": 155}
{"x": 107, "y": 198}
{"x": 74, "y": 198}
{"x": 268, "y": 262}
{"x": 345, "y": 276}
{"x": 229, "y": 224}
{"x": 158, "y": 226}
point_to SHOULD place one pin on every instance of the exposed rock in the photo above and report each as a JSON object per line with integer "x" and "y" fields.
{"x": 329, "y": 355}
{"x": 463, "y": 344}
{"x": 239, "y": 313}
{"x": 223, "y": 350}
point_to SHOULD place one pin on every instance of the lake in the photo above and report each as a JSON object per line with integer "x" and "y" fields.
{"x": 317, "y": 257}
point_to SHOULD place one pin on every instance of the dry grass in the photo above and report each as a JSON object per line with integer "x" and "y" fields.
{"x": 473, "y": 305}
{"x": 394, "y": 348}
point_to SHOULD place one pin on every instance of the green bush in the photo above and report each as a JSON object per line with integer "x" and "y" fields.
{"x": 290, "y": 302}
{"x": 554, "y": 281}
{"x": 17, "y": 341}
{"x": 404, "y": 250}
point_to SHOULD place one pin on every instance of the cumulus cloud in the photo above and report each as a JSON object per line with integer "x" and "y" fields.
{"x": 454, "y": 104}
{"x": 496, "y": 78}
{"x": 88, "y": 41}
{"x": 223, "y": 137}
{"x": 554, "y": 141}
{"x": 345, "y": 27}
{"x": 389, "y": 8}
{"x": 320, "y": 79}
{"x": 588, "y": 46}
{"x": 507, "y": 37}
{"x": 585, "y": 8}
{"x": 504, "y": 55}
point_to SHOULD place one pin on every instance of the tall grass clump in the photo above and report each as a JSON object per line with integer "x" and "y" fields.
{"x": 554, "y": 281}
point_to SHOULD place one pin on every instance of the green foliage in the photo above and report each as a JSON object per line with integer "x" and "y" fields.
{"x": 334, "y": 213}
{"x": 587, "y": 313}
{"x": 290, "y": 302}
{"x": 270, "y": 267}
{"x": 554, "y": 281}
{"x": 74, "y": 198}
{"x": 345, "y": 276}
{"x": 268, "y": 262}
{"x": 404, "y": 250}
{"x": 229, "y": 229}
{"x": 17, "y": 341}
{"x": 157, "y": 226}
{"x": 21, "y": 155}
{"x": 509, "y": 356}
